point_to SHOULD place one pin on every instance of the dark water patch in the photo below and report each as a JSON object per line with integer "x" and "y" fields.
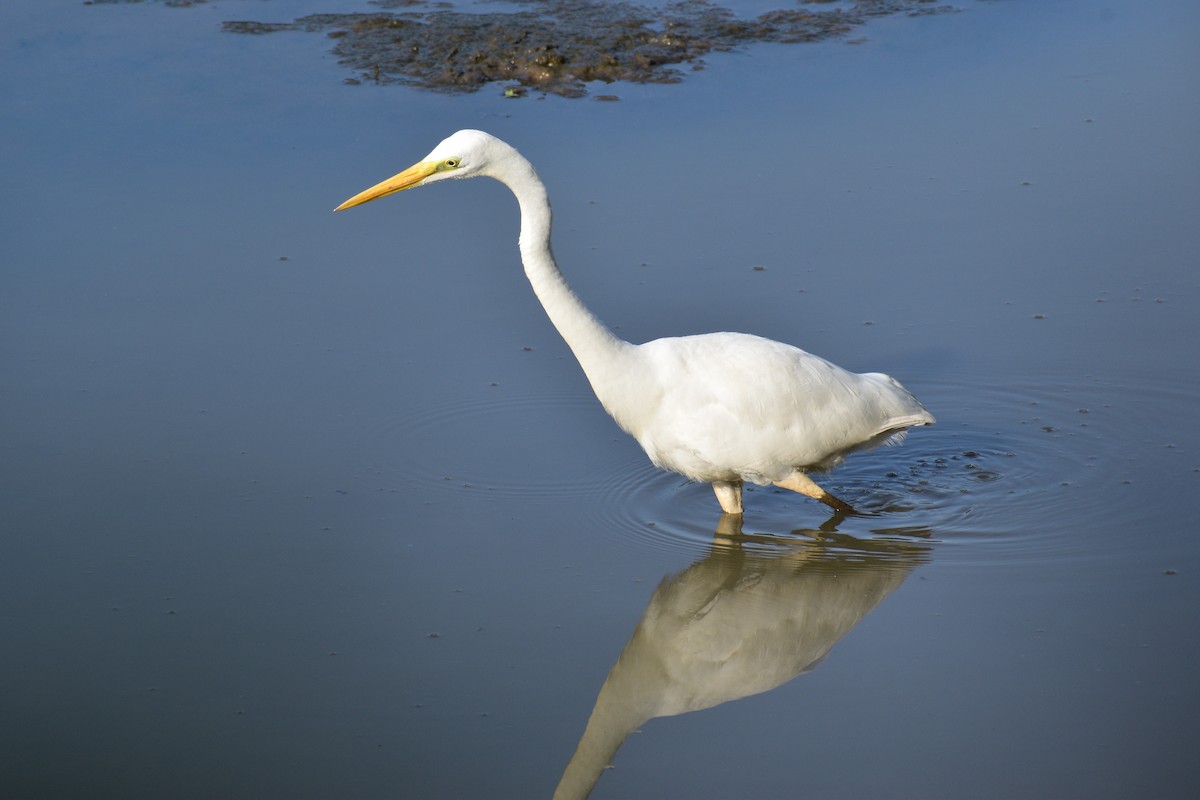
{"x": 560, "y": 46}
{"x": 500, "y": 446}
{"x": 537, "y": 449}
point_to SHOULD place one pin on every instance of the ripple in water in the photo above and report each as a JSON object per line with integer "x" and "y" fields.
{"x": 1002, "y": 474}
{"x": 1011, "y": 471}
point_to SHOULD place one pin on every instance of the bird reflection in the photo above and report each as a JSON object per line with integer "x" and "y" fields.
{"x": 751, "y": 615}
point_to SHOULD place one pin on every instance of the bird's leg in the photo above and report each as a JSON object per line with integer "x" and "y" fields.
{"x": 729, "y": 495}
{"x": 799, "y": 482}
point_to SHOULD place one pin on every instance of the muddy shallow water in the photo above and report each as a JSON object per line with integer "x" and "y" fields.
{"x": 311, "y": 505}
{"x": 560, "y": 46}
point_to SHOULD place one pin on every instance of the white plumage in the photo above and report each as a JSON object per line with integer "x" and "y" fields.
{"x": 721, "y": 407}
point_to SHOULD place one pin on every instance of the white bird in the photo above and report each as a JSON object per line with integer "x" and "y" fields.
{"x": 722, "y": 408}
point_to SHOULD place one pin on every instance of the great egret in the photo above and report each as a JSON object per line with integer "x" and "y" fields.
{"x": 722, "y": 408}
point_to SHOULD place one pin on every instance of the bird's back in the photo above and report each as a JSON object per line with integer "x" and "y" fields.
{"x": 731, "y": 406}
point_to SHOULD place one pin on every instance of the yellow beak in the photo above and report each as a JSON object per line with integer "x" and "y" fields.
{"x": 397, "y": 183}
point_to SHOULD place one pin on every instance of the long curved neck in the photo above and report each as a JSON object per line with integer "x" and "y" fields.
{"x": 597, "y": 349}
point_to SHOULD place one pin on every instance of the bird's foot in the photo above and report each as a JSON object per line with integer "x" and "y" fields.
{"x": 799, "y": 482}
{"x": 840, "y": 506}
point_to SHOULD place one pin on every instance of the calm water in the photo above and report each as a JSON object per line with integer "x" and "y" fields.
{"x": 305, "y": 505}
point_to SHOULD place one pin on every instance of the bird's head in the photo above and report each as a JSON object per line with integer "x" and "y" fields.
{"x": 465, "y": 154}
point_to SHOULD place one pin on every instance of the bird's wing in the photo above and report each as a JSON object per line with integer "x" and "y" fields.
{"x": 760, "y": 408}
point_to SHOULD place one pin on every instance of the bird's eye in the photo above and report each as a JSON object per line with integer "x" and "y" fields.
{"x": 450, "y": 163}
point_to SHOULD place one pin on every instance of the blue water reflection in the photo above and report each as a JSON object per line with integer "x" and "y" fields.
{"x": 751, "y": 615}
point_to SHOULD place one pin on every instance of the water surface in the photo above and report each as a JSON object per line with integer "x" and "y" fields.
{"x": 310, "y": 505}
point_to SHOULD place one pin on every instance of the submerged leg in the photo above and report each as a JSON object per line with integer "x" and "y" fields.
{"x": 729, "y": 495}
{"x": 799, "y": 482}
{"x": 729, "y": 526}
